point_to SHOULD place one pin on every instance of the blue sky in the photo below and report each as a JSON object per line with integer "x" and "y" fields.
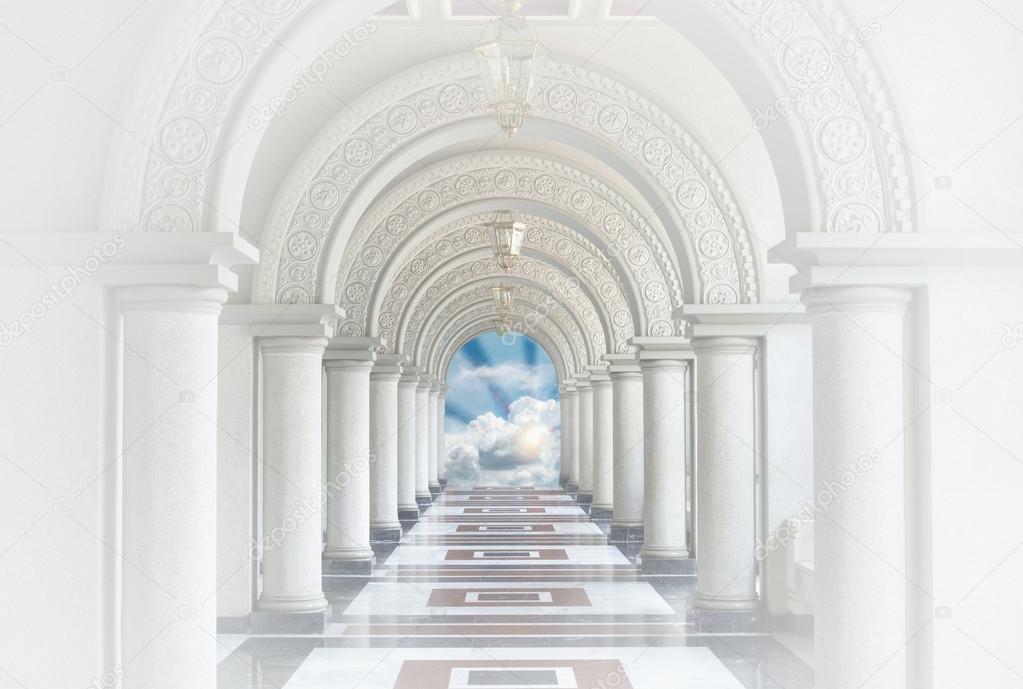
{"x": 488, "y": 375}
{"x": 502, "y": 424}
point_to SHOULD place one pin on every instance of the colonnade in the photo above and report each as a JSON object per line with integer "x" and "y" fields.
{"x": 625, "y": 427}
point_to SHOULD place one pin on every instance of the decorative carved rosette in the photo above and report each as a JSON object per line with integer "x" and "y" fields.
{"x": 549, "y": 332}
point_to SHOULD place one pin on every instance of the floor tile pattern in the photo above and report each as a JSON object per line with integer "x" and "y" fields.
{"x": 512, "y": 588}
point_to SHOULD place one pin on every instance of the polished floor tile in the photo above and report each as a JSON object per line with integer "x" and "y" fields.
{"x": 514, "y": 588}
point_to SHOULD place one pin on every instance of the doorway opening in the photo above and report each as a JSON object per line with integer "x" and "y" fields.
{"x": 502, "y": 422}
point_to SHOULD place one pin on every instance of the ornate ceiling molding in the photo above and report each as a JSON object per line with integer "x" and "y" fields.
{"x": 533, "y": 309}
{"x": 845, "y": 110}
{"x": 584, "y": 330}
{"x": 162, "y": 177}
{"x": 620, "y": 231}
{"x": 448, "y": 92}
{"x": 194, "y": 75}
{"x": 478, "y": 320}
{"x": 467, "y": 239}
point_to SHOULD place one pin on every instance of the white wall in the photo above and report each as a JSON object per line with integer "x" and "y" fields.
{"x": 65, "y": 67}
{"x": 54, "y": 480}
{"x": 235, "y": 472}
{"x": 976, "y": 470}
{"x": 788, "y": 474}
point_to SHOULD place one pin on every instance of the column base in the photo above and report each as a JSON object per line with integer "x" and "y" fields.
{"x": 729, "y": 621}
{"x": 361, "y": 566}
{"x": 601, "y": 513}
{"x": 434, "y": 490}
{"x": 443, "y": 483}
{"x": 408, "y": 515}
{"x": 269, "y": 622}
{"x": 572, "y": 489}
{"x": 385, "y": 534}
{"x": 422, "y": 500}
{"x": 725, "y": 603}
{"x": 234, "y": 625}
{"x": 671, "y": 566}
{"x": 351, "y": 560}
{"x": 563, "y": 480}
{"x": 626, "y": 533}
{"x": 584, "y": 498}
{"x": 314, "y": 602}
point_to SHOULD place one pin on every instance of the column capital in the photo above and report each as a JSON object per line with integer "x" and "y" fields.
{"x": 582, "y": 381}
{"x": 567, "y": 388}
{"x": 425, "y": 380}
{"x": 175, "y": 298}
{"x": 122, "y": 259}
{"x": 622, "y": 363}
{"x": 726, "y": 345}
{"x": 663, "y": 348}
{"x": 889, "y": 258}
{"x": 388, "y": 366}
{"x": 284, "y": 320}
{"x": 740, "y": 320}
{"x": 409, "y": 376}
{"x": 353, "y": 349}
{"x": 830, "y": 300}
{"x": 435, "y": 388}
{"x": 599, "y": 376}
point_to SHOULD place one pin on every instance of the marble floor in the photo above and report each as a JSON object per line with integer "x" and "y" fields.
{"x": 515, "y": 588}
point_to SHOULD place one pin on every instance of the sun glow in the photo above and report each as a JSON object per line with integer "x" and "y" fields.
{"x": 531, "y": 440}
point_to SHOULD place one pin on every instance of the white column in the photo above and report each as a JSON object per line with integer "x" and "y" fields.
{"x": 170, "y": 486}
{"x": 408, "y": 509}
{"x": 726, "y": 466}
{"x": 565, "y": 434}
{"x": 585, "y": 436}
{"x": 570, "y": 398}
{"x": 423, "y": 496}
{"x": 383, "y": 442}
{"x": 432, "y": 406}
{"x": 603, "y": 445}
{"x": 627, "y": 381}
{"x": 442, "y": 447}
{"x": 292, "y": 395}
{"x": 859, "y": 542}
{"x": 663, "y": 361}
{"x": 349, "y": 362}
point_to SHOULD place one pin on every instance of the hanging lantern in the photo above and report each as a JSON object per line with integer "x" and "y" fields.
{"x": 503, "y": 296}
{"x": 504, "y": 326}
{"x": 508, "y": 235}
{"x": 506, "y": 58}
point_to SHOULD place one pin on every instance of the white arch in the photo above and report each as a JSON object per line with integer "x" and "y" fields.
{"x": 533, "y": 309}
{"x": 548, "y": 239}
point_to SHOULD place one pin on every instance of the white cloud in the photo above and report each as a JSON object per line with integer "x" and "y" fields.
{"x": 513, "y": 378}
{"x": 523, "y": 449}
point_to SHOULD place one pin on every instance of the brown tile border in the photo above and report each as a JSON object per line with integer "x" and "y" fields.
{"x": 499, "y": 554}
{"x": 508, "y": 597}
{"x": 503, "y": 510}
{"x": 438, "y": 674}
{"x": 506, "y": 529}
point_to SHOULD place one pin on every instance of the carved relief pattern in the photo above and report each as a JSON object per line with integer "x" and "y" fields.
{"x": 528, "y": 269}
{"x": 565, "y": 247}
{"x": 452, "y": 92}
{"x": 552, "y": 321}
{"x": 856, "y": 159}
{"x": 594, "y": 204}
{"x": 184, "y": 111}
{"x": 185, "y": 134}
